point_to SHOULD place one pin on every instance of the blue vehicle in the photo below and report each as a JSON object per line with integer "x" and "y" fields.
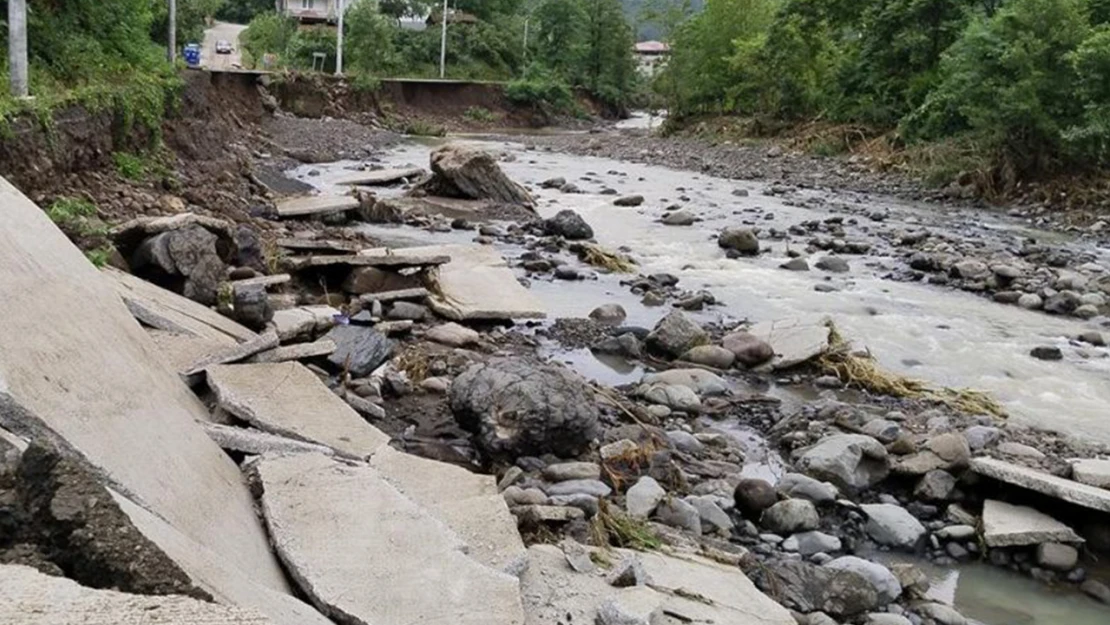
{"x": 192, "y": 54}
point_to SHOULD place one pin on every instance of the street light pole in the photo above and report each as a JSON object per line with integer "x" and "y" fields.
{"x": 171, "y": 53}
{"x": 443, "y": 43}
{"x": 339, "y": 43}
{"x": 17, "y": 46}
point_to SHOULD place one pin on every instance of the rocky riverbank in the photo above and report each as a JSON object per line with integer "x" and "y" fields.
{"x": 693, "y": 493}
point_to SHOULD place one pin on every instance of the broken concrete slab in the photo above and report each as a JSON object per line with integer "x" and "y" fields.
{"x": 167, "y": 310}
{"x": 468, "y": 503}
{"x": 289, "y": 400}
{"x": 262, "y": 281}
{"x": 369, "y": 258}
{"x": 379, "y": 177}
{"x": 418, "y": 293}
{"x": 1092, "y": 472}
{"x": 242, "y": 351}
{"x": 180, "y": 350}
{"x": 1007, "y": 525}
{"x": 28, "y": 597}
{"x": 477, "y": 285}
{"x": 299, "y": 351}
{"x": 212, "y": 572}
{"x": 1041, "y": 482}
{"x": 257, "y": 442}
{"x": 365, "y": 553}
{"x": 108, "y": 394}
{"x": 692, "y": 590}
{"x": 794, "y": 340}
{"x": 307, "y": 206}
{"x": 302, "y": 322}
{"x": 320, "y": 246}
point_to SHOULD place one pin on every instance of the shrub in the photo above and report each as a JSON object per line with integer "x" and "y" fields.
{"x": 129, "y": 166}
{"x": 480, "y": 114}
{"x": 542, "y": 90}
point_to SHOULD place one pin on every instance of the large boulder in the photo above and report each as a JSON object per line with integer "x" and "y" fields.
{"x": 791, "y": 515}
{"x": 809, "y": 588}
{"x": 569, "y": 225}
{"x": 459, "y": 171}
{"x": 852, "y": 462}
{"x": 884, "y": 582}
{"x": 185, "y": 260}
{"x": 519, "y": 407}
{"x": 676, "y": 334}
{"x": 740, "y": 241}
{"x": 891, "y": 525}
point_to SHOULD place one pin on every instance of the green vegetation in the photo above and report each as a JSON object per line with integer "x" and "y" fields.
{"x": 77, "y": 216}
{"x": 1012, "y": 89}
{"x": 99, "y": 256}
{"x": 480, "y": 114}
{"x": 129, "y": 166}
{"x": 572, "y": 43}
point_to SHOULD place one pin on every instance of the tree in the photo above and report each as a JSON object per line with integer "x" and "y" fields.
{"x": 243, "y": 11}
{"x": 398, "y": 9}
{"x": 369, "y": 39}
{"x": 560, "y": 25}
{"x": 268, "y": 33}
{"x": 608, "y": 66}
{"x": 191, "y": 16}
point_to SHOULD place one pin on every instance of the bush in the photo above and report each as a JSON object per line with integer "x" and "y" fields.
{"x": 542, "y": 90}
{"x": 268, "y": 33}
{"x": 1089, "y": 139}
{"x": 129, "y": 166}
{"x": 480, "y": 114}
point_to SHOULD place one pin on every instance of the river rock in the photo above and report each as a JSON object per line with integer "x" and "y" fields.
{"x": 791, "y": 515}
{"x": 833, "y": 264}
{"x": 566, "y": 471}
{"x": 629, "y": 200}
{"x": 685, "y": 442}
{"x": 891, "y": 525}
{"x": 1097, "y": 590}
{"x": 883, "y": 430}
{"x": 553, "y": 183}
{"x": 678, "y": 513}
{"x": 252, "y": 306}
{"x": 945, "y": 451}
{"x": 609, "y": 313}
{"x": 679, "y": 218}
{"x": 569, "y": 225}
{"x": 809, "y": 588}
{"x": 980, "y": 436}
{"x": 644, "y": 496}
{"x": 676, "y": 334}
{"x": 464, "y": 172}
{"x": 1057, "y": 556}
{"x": 1030, "y": 301}
{"x": 941, "y": 614}
{"x": 749, "y": 350}
{"x": 914, "y": 581}
{"x": 710, "y": 356}
{"x": 970, "y": 270}
{"x": 520, "y": 407}
{"x": 753, "y": 496}
{"x": 1093, "y": 337}
{"x": 698, "y": 380}
{"x": 795, "y": 264}
{"x": 740, "y": 240}
{"x": 186, "y": 257}
{"x": 1046, "y": 352}
{"x": 936, "y": 485}
{"x": 801, "y": 486}
{"x": 880, "y": 577}
{"x": 517, "y": 496}
{"x": 886, "y": 618}
{"x": 1062, "y": 303}
{"x": 809, "y": 543}
{"x": 1092, "y": 472}
{"x": 410, "y": 311}
{"x": 673, "y": 396}
{"x": 1021, "y": 450}
{"x": 453, "y": 335}
{"x": 852, "y": 462}
{"x": 713, "y": 517}
{"x": 593, "y": 488}
{"x": 359, "y": 350}
{"x": 637, "y": 605}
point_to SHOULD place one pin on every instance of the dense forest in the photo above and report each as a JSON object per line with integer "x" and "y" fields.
{"x": 1017, "y": 88}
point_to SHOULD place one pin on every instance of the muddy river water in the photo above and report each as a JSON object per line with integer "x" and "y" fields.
{"x": 947, "y": 337}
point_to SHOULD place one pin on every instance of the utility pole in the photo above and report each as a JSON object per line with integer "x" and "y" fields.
{"x": 171, "y": 53}
{"x": 443, "y": 43}
{"x": 17, "y": 46}
{"x": 524, "y": 52}
{"x": 339, "y": 43}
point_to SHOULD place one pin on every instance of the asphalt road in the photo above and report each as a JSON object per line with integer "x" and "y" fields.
{"x": 226, "y": 32}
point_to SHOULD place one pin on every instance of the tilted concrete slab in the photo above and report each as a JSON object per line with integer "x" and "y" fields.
{"x": 324, "y": 246}
{"x": 210, "y": 571}
{"x": 91, "y": 376}
{"x": 256, "y": 442}
{"x": 364, "y": 553}
{"x": 380, "y": 176}
{"x": 691, "y": 589}
{"x": 468, "y": 503}
{"x": 167, "y": 310}
{"x": 180, "y": 350}
{"x": 1073, "y": 492}
{"x": 295, "y": 352}
{"x": 289, "y": 400}
{"x": 307, "y": 206}
{"x": 1007, "y": 525}
{"x": 263, "y": 281}
{"x": 369, "y": 259}
{"x": 478, "y": 284}
{"x": 794, "y": 340}
{"x": 242, "y": 351}
{"x": 28, "y": 597}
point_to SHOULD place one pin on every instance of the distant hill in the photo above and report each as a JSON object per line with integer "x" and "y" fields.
{"x": 633, "y": 10}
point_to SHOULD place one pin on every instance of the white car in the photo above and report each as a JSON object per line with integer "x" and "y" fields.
{"x": 223, "y": 47}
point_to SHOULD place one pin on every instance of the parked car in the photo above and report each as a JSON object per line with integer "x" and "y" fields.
{"x": 223, "y": 47}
